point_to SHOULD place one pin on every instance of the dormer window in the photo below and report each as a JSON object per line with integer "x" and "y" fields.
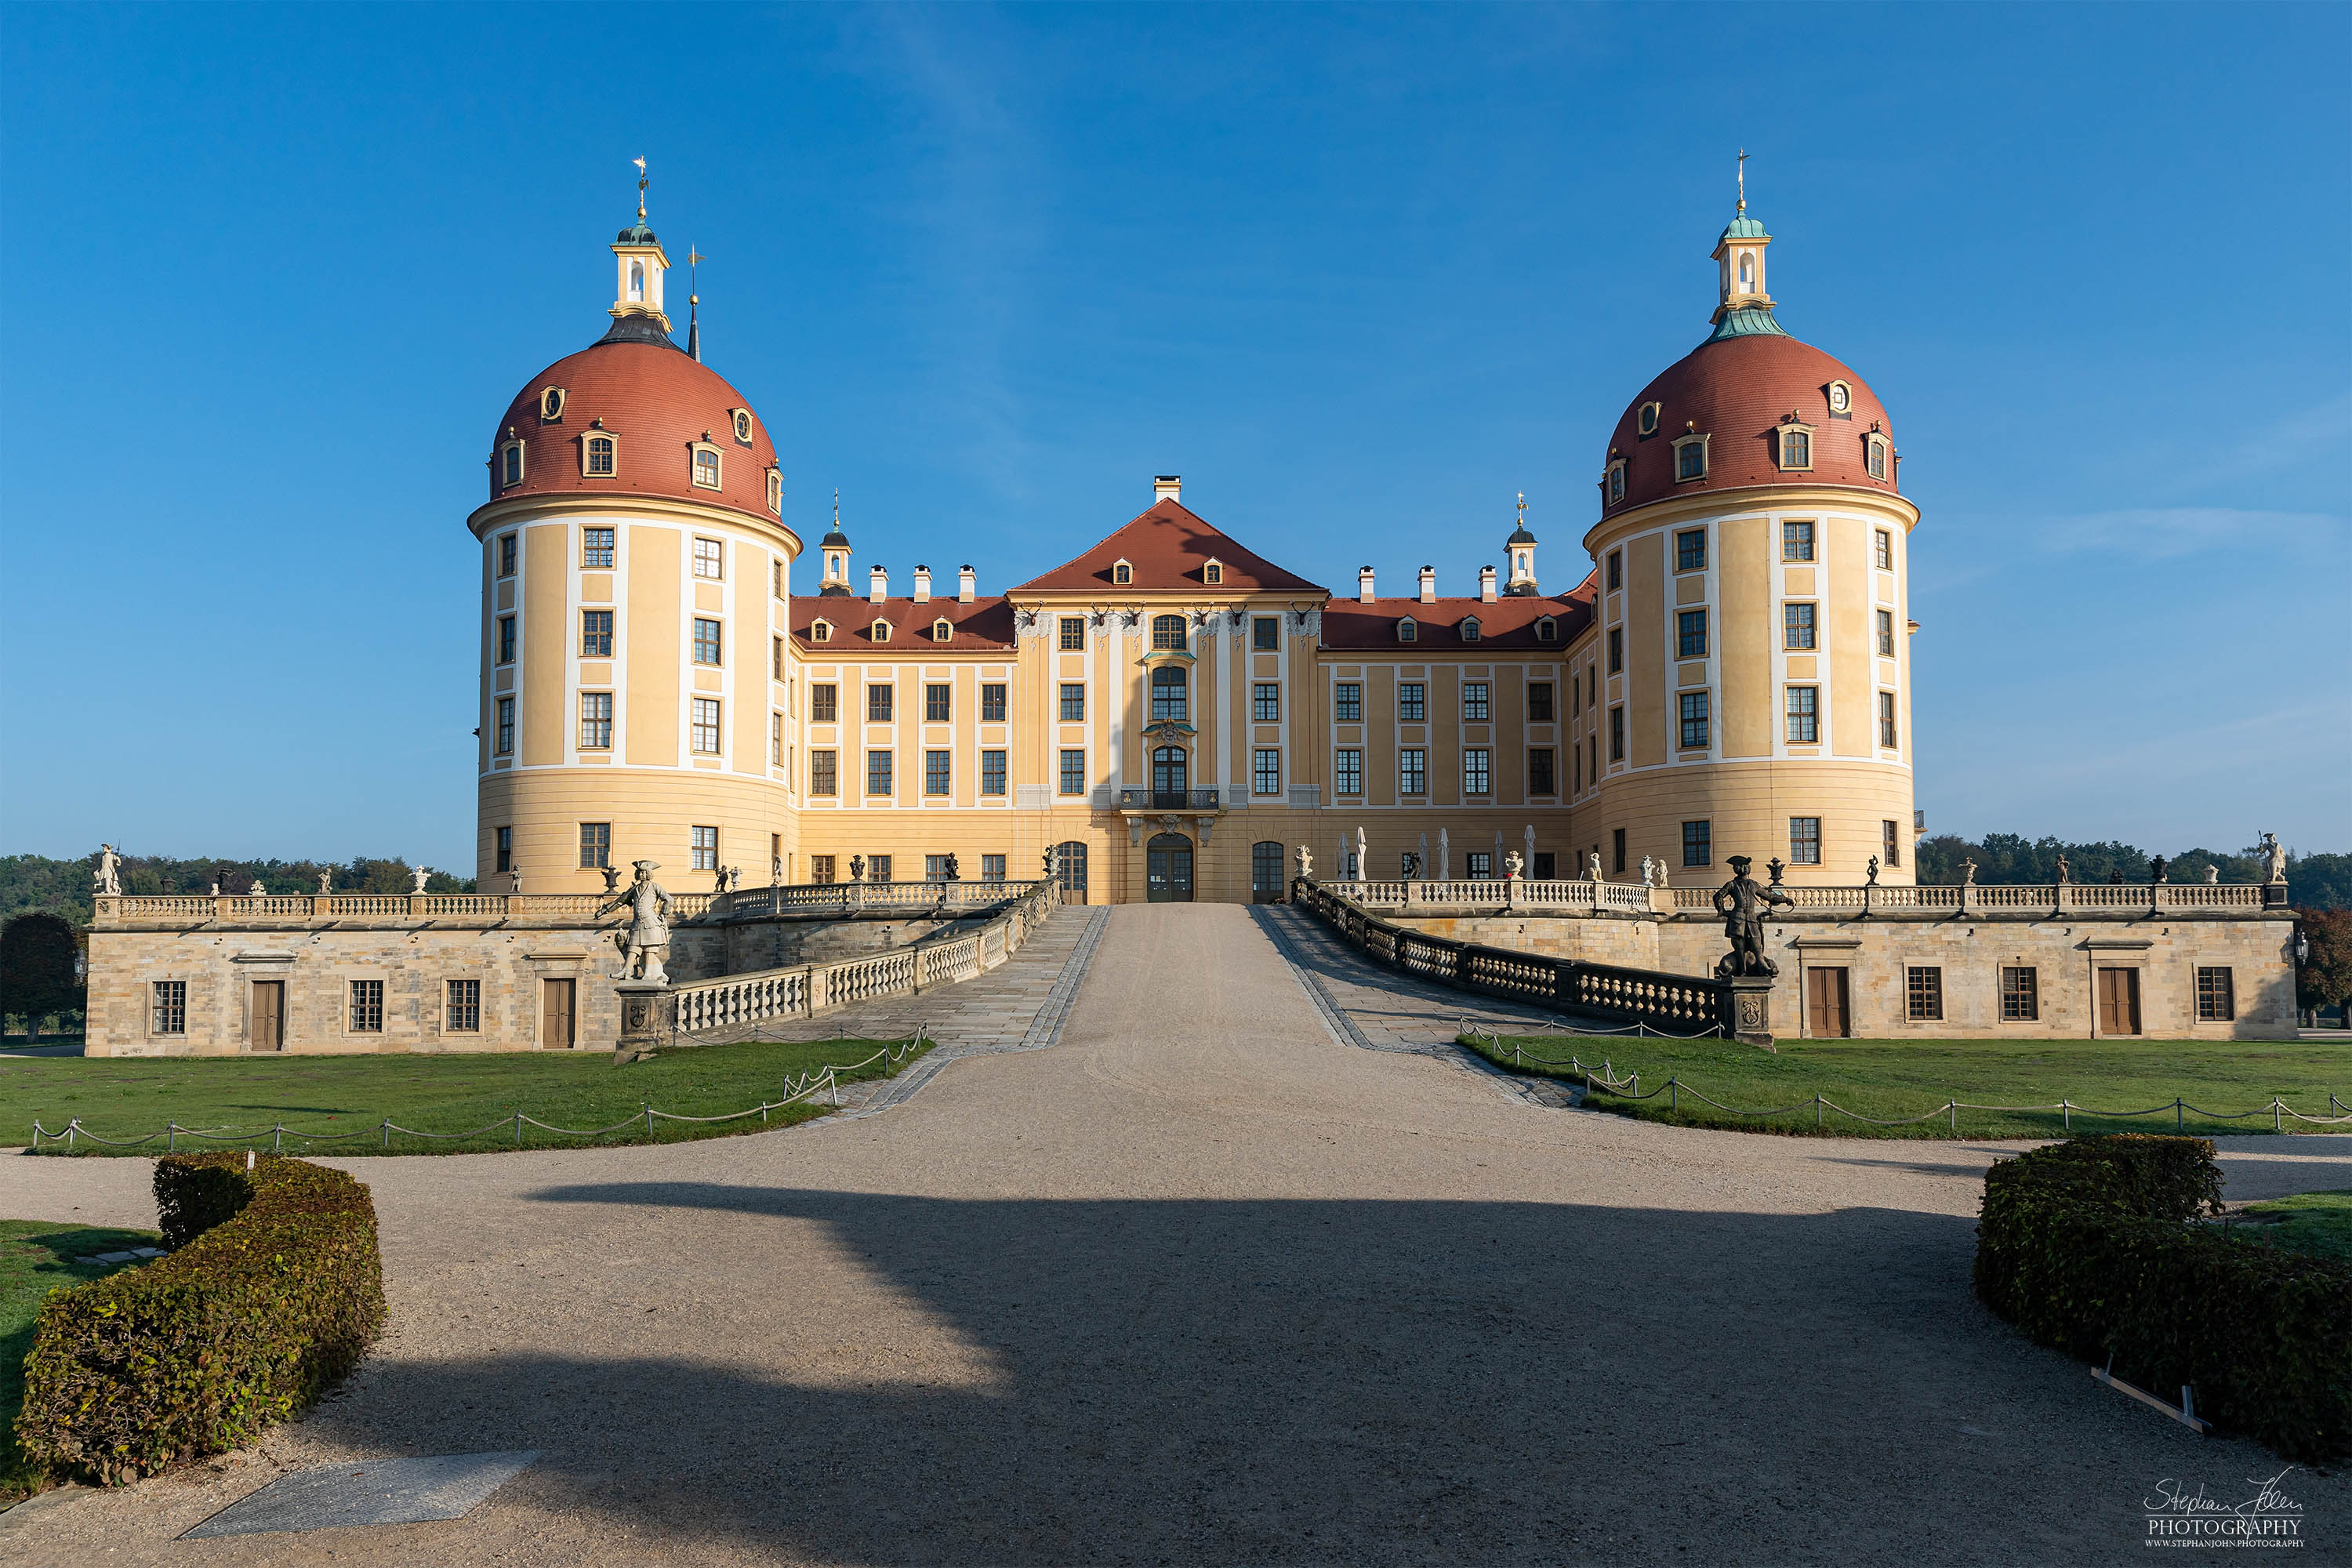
{"x": 1213, "y": 572}
{"x": 1546, "y": 629}
{"x": 881, "y": 630}
{"x": 1875, "y": 455}
{"x": 706, "y": 464}
{"x": 1646, "y": 421}
{"x": 598, "y": 455}
{"x": 1840, "y": 397}
{"x": 1794, "y": 446}
{"x": 1469, "y": 628}
{"x": 1122, "y": 573}
{"x": 1690, "y": 458}
{"x": 942, "y": 630}
{"x": 743, "y": 418}
{"x": 1616, "y": 481}
{"x": 550, "y": 405}
{"x": 1407, "y": 631}
{"x": 820, "y": 631}
{"x": 776, "y": 491}
{"x": 510, "y": 463}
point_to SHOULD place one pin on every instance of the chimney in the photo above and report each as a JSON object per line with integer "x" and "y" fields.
{"x": 881, "y": 585}
{"x": 1486, "y": 584}
{"x": 967, "y": 585}
{"x": 1363, "y": 585}
{"x": 1165, "y": 487}
{"x": 1429, "y": 584}
{"x": 923, "y": 583}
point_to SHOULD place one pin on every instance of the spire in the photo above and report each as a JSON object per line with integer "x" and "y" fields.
{"x": 640, "y": 263}
{"x": 835, "y": 548}
{"x": 693, "y": 304}
{"x": 1744, "y": 309}
{"x": 1521, "y": 547}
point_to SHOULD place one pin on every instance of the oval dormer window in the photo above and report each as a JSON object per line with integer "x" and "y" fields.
{"x": 1840, "y": 397}
{"x": 743, "y": 426}
{"x": 550, "y": 405}
{"x": 1646, "y": 421}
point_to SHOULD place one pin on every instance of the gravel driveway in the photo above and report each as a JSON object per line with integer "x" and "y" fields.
{"x": 1203, "y": 1284}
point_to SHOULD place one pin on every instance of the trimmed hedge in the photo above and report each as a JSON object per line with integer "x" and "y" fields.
{"x": 2089, "y": 1247}
{"x": 273, "y": 1290}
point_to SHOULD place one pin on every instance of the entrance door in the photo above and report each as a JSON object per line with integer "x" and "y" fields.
{"x": 269, "y": 1015}
{"x": 1266, "y": 873}
{"x": 1170, "y": 772}
{"x": 555, "y": 1015}
{"x": 1825, "y": 1003}
{"x": 1167, "y": 869}
{"x": 2119, "y": 1001}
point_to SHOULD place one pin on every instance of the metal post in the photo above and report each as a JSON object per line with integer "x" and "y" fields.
{"x": 387, "y": 1134}
{"x": 518, "y": 1129}
{"x": 172, "y": 1137}
{"x": 278, "y": 1139}
{"x": 649, "y": 1119}
{"x": 1954, "y": 1106}
{"x": 2176, "y": 1123}
{"x": 1674, "y": 1094}
{"x": 1817, "y": 1110}
{"x": 2274, "y": 1113}
{"x": 2066, "y": 1116}
{"x": 72, "y": 1126}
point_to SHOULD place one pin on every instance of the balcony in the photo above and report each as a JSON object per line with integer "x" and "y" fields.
{"x": 1168, "y": 800}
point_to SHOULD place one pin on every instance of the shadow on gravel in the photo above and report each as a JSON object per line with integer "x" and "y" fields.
{"x": 1350, "y": 1381}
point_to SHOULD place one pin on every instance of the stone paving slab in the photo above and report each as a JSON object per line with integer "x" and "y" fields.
{"x": 369, "y": 1491}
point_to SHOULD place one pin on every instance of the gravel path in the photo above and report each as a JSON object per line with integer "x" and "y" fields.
{"x": 1205, "y": 1283}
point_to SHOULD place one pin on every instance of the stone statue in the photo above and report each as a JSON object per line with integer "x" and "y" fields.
{"x": 256, "y": 890}
{"x": 1743, "y": 903}
{"x": 2212, "y": 875}
{"x": 514, "y": 877}
{"x": 776, "y": 871}
{"x": 1968, "y": 873}
{"x": 1871, "y": 879}
{"x": 1412, "y": 865}
{"x": 612, "y": 878}
{"x": 326, "y": 881}
{"x": 2114, "y": 878}
{"x": 2274, "y": 860}
{"x": 954, "y": 867}
{"x": 1530, "y": 839}
{"x": 107, "y": 877}
{"x": 2155, "y": 869}
{"x": 645, "y": 943}
{"x": 857, "y": 867}
{"x": 419, "y": 873}
{"x": 719, "y": 879}
{"x": 1362, "y": 855}
{"x": 1649, "y": 868}
{"x": 1513, "y": 864}
{"x": 2064, "y": 875}
{"x": 1595, "y": 858}
{"x": 216, "y": 890}
{"x": 1306, "y": 859}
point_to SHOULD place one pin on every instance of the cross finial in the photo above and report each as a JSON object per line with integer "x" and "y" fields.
{"x": 1743, "y": 179}
{"x": 1523, "y": 509}
{"x": 644, "y": 179}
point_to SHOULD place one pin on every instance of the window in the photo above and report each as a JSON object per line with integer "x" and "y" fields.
{"x": 1616, "y": 849}
{"x": 1923, "y": 993}
{"x": 462, "y": 1013}
{"x": 1469, "y": 628}
{"x": 596, "y": 463}
{"x": 823, "y": 777}
{"x": 935, "y": 773}
{"x": 1265, "y": 703}
{"x": 1616, "y": 481}
{"x": 1266, "y": 633}
{"x": 595, "y": 634}
{"x": 1546, "y": 629}
{"x": 1698, "y": 843}
{"x": 742, "y": 422}
{"x": 1347, "y": 702}
{"x": 504, "y": 745}
{"x": 595, "y": 721}
{"x": 1476, "y": 773}
{"x": 820, "y": 631}
{"x": 776, "y": 659}
{"x": 1542, "y": 774}
{"x": 1474, "y": 702}
{"x": 877, "y": 867}
{"x": 506, "y": 639}
{"x": 1479, "y": 864}
{"x": 1840, "y": 397}
{"x": 1646, "y": 421}
{"x": 1797, "y": 626}
{"x": 705, "y": 468}
{"x": 1690, "y": 458}
{"x": 1591, "y": 688}
{"x": 821, "y": 869}
{"x": 1803, "y": 729}
{"x": 878, "y": 700}
{"x": 880, "y": 630}
{"x": 1074, "y": 773}
{"x": 1616, "y": 567}
{"x": 1168, "y": 695}
{"x": 1542, "y": 869}
{"x": 943, "y": 630}
{"x": 825, "y": 702}
{"x": 510, "y": 463}
{"x": 2216, "y": 998}
{"x": 1874, "y": 456}
{"x": 1886, "y": 731}
{"x": 1265, "y": 771}
{"x": 1168, "y": 632}
{"x": 1617, "y": 735}
{"x": 1213, "y": 572}
{"x": 367, "y": 1007}
{"x": 1694, "y": 719}
{"x": 1804, "y": 841}
{"x": 991, "y": 702}
{"x": 776, "y": 497}
{"x": 1796, "y": 449}
{"x": 1891, "y": 833}
{"x": 708, "y": 561}
{"x": 506, "y": 555}
{"x": 1074, "y": 633}
{"x": 706, "y": 641}
{"x": 1690, "y": 551}
{"x": 1539, "y": 701}
{"x": 1410, "y": 705}
{"x": 2020, "y": 992}
{"x": 1886, "y": 634}
{"x": 705, "y": 725}
{"x": 1885, "y": 557}
{"x": 705, "y": 842}
{"x": 595, "y": 846}
{"x": 1074, "y": 702}
{"x": 1575, "y": 693}
{"x": 504, "y": 851}
{"x": 777, "y": 756}
{"x": 550, "y": 405}
{"x": 937, "y": 702}
{"x": 1690, "y": 634}
{"x": 1348, "y": 771}
{"x": 1796, "y": 542}
{"x": 878, "y": 773}
{"x": 991, "y": 772}
{"x": 170, "y": 999}
{"x": 597, "y": 545}
{"x": 1616, "y": 650}
{"x": 991, "y": 868}
{"x": 1122, "y": 574}
{"x": 1408, "y": 630}
{"x": 1413, "y": 771}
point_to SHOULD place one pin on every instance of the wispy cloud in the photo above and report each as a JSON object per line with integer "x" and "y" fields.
{"x": 2324, "y": 429}
{"x": 2163, "y": 533}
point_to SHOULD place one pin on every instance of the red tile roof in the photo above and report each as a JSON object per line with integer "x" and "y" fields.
{"x": 983, "y": 626}
{"x": 1167, "y": 546}
{"x": 1505, "y": 624}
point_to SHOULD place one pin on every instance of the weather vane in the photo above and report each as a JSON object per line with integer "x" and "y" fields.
{"x": 1523, "y": 509}
{"x": 644, "y": 179}
{"x": 1743, "y": 179}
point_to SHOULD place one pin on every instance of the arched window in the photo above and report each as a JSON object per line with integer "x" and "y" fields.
{"x": 1068, "y": 865}
{"x": 596, "y": 455}
{"x": 1168, "y": 632}
{"x": 1469, "y": 628}
{"x": 776, "y": 491}
{"x": 1874, "y": 456}
{"x": 510, "y": 463}
{"x": 1690, "y": 458}
{"x": 706, "y": 466}
{"x": 881, "y": 630}
{"x": 1748, "y": 269}
{"x": 1122, "y": 573}
{"x": 1170, "y": 774}
{"x": 820, "y": 631}
{"x": 1169, "y": 693}
{"x": 636, "y": 281}
{"x": 1796, "y": 449}
{"x": 1213, "y": 572}
{"x": 1407, "y": 631}
{"x": 1546, "y": 629}
{"x": 942, "y": 630}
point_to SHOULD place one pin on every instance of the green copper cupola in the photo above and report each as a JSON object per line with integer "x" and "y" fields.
{"x": 1745, "y": 308}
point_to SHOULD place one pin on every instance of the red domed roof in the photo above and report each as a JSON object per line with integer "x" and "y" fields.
{"x": 1740, "y": 391}
{"x": 657, "y": 402}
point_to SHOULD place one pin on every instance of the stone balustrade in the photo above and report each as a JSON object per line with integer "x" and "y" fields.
{"x": 2091, "y": 901}
{"x": 822, "y": 899}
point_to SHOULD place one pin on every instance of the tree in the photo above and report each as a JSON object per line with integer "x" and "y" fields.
{"x": 38, "y": 956}
{"x": 2325, "y": 978}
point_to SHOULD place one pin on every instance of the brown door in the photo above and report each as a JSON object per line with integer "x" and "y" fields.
{"x": 555, "y": 1015}
{"x": 1825, "y": 1003}
{"x": 269, "y": 1015}
{"x": 2119, "y": 1001}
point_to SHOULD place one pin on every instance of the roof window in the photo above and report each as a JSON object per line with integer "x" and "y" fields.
{"x": 1646, "y": 421}
{"x": 1840, "y": 397}
{"x": 1122, "y": 573}
{"x": 942, "y": 630}
{"x": 550, "y": 405}
{"x": 510, "y": 463}
{"x": 742, "y": 422}
{"x": 776, "y": 491}
{"x": 1469, "y": 628}
{"x": 880, "y": 629}
{"x": 1690, "y": 458}
{"x": 706, "y": 464}
{"x": 820, "y": 631}
{"x": 1873, "y": 455}
{"x": 1408, "y": 630}
{"x": 1213, "y": 572}
{"x": 599, "y": 454}
{"x": 1546, "y": 629}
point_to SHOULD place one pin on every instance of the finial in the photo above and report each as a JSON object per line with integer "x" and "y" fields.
{"x": 1523, "y": 509}
{"x": 644, "y": 179}
{"x": 1743, "y": 179}
{"x": 837, "y": 508}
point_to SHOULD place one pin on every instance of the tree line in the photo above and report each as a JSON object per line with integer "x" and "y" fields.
{"x": 2313, "y": 881}
{"x": 62, "y": 887}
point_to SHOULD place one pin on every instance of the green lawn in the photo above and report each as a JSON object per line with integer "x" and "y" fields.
{"x": 36, "y": 1257}
{"x": 243, "y": 1097}
{"x": 1895, "y": 1078}
{"x": 2320, "y": 1223}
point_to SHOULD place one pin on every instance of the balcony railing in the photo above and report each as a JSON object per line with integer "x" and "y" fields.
{"x": 1168, "y": 800}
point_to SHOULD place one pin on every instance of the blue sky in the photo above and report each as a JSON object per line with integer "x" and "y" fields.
{"x": 1358, "y": 275}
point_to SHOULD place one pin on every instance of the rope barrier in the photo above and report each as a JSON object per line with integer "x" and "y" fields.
{"x": 1630, "y": 1087}
{"x": 808, "y": 1084}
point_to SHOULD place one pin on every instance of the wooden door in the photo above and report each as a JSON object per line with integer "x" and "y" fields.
{"x": 555, "y": 1015}
{"x": 269, "y": 1015}
{"x": 2119, "y": 1001}
{"x": 1825, "y": 1003}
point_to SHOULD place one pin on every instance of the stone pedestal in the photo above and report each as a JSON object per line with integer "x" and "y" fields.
{"x": 1751, "y": 1009}
{"x": 648, "y": 1018}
